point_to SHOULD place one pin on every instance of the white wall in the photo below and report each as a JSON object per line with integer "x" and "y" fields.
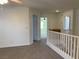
{"x": 75, "y": 21}
{"x": 14, "y": 26}
{"x": 76, "y": 24}
{"x": 56, "y": 20}
{"x": 61, "y": 19}
{"x": 37, "y": 13}
{"x": 52, "y": 20}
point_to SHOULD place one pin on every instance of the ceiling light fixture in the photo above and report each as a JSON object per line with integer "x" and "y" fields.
{"x": 57, "y": 11}
{"x": 2, "y": 2}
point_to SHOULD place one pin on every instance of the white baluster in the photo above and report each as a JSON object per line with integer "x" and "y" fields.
{"x": 62, "y": 42}
{"x": 74, "y": 48}
{"x": 77, "y": 53}
{"x": 68, "y": 44}
{"x": 71, "y": 48}
{"x": 71, "y": 43}
{"x": 59, "y": 40}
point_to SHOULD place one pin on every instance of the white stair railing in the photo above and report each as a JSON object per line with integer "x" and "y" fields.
{"x": 69, "y": 44}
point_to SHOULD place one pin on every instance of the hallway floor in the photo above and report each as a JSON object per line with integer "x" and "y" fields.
{"x": 35, "y": 51}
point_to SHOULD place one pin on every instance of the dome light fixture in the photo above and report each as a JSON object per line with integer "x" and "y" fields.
{"x": 2, "y": 2}
{"x": 57, "y": 11}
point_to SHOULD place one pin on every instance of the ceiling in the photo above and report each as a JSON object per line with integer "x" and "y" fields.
{"x": 52, "y": 4}
{"x": 49, "y": 4}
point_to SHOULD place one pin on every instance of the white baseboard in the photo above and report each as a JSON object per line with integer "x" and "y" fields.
{"x": 60, "y": 52}
{"x": 14, "y": 45}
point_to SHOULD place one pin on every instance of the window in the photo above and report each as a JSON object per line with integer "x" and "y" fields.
{"x": 67, "y": 23}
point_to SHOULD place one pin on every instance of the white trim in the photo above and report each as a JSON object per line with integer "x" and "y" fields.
{"x": 15, "y": 45}
{"x": 60, "y": 52}
{"x": 64, "y": 34}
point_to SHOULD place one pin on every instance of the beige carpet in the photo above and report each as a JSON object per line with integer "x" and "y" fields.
{"x": 35, "y": 51}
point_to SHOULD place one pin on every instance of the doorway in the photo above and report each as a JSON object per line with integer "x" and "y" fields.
{"x": 43, "y": 29}
{"x": 35, "y": 28}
